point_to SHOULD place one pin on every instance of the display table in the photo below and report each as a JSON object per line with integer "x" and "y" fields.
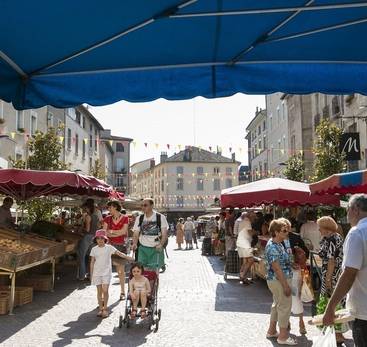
{"x": 21, "y": 252}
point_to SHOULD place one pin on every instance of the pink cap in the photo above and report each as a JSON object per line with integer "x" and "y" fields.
{"x": 101, "y": 233}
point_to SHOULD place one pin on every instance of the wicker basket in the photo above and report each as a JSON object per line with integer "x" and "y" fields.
{"x": 4, "y": 303}
{"x": 40, "y": 283}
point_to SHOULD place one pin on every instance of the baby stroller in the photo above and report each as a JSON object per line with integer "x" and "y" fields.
{"x": 153, "y": 314}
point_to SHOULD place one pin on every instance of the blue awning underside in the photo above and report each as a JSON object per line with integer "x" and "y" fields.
{"x": 64, "y": 53}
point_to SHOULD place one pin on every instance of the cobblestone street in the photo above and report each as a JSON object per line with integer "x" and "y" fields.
{"x": 198, "y": 309}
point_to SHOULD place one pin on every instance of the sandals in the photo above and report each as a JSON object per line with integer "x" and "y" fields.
{"x": 133, "y": 313}
{"x": 289, "y": 342}
{"x": 100, "y": 313}
{"x": 302, "y": 331}
{"x": 122, "y": 297}
{"x": 105, "y": 314}
{"x": 143, "y": 313}
{"x": 270, "y": 336}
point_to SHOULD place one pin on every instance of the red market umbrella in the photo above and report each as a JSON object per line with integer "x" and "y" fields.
{"x": 117, "y": 195}
{"x": 277, "y": 191}
{"x": 28, "y": 184}
{"x": 343, "y": 183}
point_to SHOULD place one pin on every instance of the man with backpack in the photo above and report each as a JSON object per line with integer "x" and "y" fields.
{"x": 151, "y": 230}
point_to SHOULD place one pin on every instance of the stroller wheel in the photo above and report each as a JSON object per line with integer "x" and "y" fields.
{"x": 121, "y": 321}
{"x": 156, "y": 326}
{"x": 159, "y": 314}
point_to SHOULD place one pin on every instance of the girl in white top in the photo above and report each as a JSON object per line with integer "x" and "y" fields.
{"x": 101, "y": 269}
{"x": 139, "y": 288}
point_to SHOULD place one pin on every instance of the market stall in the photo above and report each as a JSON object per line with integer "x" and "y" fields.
{"x": 272, "y": 191}
{"x": 19, "y": 251}
{"x": 342, "y": 183}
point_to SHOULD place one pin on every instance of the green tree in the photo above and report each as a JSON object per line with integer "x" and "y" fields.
{"x": 328, "y": 158}
{"x": 44, "y": 154}
{"x": 98, "y": 170}
{"x": 295, "y": 169}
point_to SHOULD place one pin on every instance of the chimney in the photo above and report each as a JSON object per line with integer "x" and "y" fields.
{"x": 257, "y": 109}
{"x": 164, "y": 157}
{"x": 188, "y": 154}
{"x": 234, "y": 157}
{"x": 219, "y": 150}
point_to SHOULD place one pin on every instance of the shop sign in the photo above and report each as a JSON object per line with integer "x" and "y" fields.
{"x": 350, "y": 145}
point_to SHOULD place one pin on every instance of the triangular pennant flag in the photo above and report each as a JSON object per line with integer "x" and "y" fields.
{"x": 61, "y": 139}
{"x": 85, "y": 140}
{"x": 12, "y": 134}
{"x": 111, "y": 142}
{"x": 157, "y": 145}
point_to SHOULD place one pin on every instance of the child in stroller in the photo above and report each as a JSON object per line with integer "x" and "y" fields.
{"x": 140, "y": 290}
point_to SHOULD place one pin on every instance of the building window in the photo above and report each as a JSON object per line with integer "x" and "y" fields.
{"x": 200, "y": 184}
{"x": 260, "y": 148}
{"x": 83, "y": 150}
{"x": 83, "y": 122}
{"x": 90, "y": 141}
{"x": 120, "y": 147}
{"x": 90, "y": 163}
{"x": 284, "y": 144}
{"x": 228, "y": 171}
{"x": 50, "y": 120}
{"x": 228, "y": 182}
{"x": 278, "y": 114}
{"x": 216, "y": 170}
{"x": 33, "y": 123}
{"x": 77, "y": 116}
{"x": 179, "y": 183}
{"x": 120, "y": 164}
{"x": 265, "y": 169}
{"x": 216, "y": 184}
{"x": 20, "y": 120}
{"x": 264, "y": 142}
{"x": 76, "y": 144}
{"x": 162, "y": 186}
{"x": 120, "y": 181}
{"x": 271, "y": 122}
{"x": 200, "y": 170}
{"x": 91, "y": 127}
{"x": 69, "y": 139}
{"x": 199, "y": 202}
{"x": 179, "y": 170}
{"x": 259, "y": 130}
{"x": 95, "y": 140}
{"x": 264, "y": 125}
{"x": 179, "y": 201}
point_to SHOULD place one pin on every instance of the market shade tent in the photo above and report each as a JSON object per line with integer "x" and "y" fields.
{"x": 276, "y": 191}
{"x": 28, "y": 184}
{"x": 141, "y": 50}
{"x": 343, "y": 183}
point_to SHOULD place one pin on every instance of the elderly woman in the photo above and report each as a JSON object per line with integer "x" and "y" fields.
{"x": 279, "y": 280}
{"x": 331, "y": 253}
{"x": 189, "y": 228}
{"x": 295, "y": 246}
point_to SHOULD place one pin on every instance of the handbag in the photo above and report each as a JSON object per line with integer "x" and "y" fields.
{"x": 326, "y": 339}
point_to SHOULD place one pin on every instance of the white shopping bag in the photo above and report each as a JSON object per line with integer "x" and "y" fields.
{"x": 327, "y": 338}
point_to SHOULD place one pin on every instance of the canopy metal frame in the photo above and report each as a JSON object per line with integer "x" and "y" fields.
{"x": 173, "y": 13}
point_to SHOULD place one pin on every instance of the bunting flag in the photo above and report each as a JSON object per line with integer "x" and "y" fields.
{"x": 111, "y": 142}
{"x": 61, "y": 138}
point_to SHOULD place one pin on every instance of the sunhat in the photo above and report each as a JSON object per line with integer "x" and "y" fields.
{"x": 101, "y": 233}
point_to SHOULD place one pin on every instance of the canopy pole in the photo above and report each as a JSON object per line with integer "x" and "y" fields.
{"x": 12, "y": 63}
{"x": 271, "y": 10}
{"x": 265, "y": 36}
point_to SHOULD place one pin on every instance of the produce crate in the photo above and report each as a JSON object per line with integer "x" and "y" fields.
{"x": 4, "y": 303}
{"x": 40, "y": 283}
{"x": 23, "y": 295}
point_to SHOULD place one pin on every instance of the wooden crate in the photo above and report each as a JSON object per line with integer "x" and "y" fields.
{"x": 23, "y": 295}
{"x": 4, "y": 303}
{"x": 40, "y": 283}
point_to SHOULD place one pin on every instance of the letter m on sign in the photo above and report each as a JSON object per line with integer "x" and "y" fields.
{"x": 350, "y": 145}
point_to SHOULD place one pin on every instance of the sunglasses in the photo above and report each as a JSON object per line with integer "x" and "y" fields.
{"x": 145, "y": 205}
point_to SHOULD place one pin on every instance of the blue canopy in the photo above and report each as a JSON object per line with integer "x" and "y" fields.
{"x": 65, "y": 52}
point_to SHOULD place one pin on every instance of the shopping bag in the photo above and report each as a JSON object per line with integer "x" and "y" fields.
{"x": 326, "y": 339}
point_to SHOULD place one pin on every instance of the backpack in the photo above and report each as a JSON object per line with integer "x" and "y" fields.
{"x": 159, "y": 216}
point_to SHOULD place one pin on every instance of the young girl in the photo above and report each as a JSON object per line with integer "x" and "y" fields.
{"x": 101, "y": 269}
{"x": 139, "y": 289}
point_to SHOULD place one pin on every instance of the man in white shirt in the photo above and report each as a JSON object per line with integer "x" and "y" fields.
{"x": 354, "y": 277}
{"x": 151, "y": 230}
{"x": 243, "y": 231}
{"x": 310, "y": 232}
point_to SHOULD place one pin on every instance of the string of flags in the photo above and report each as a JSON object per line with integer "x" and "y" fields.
{"x": 163, "y": 146}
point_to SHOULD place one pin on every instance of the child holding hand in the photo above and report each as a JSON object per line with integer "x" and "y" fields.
{"x": 101, "y": 269}
{"x": 139, "y": 288}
